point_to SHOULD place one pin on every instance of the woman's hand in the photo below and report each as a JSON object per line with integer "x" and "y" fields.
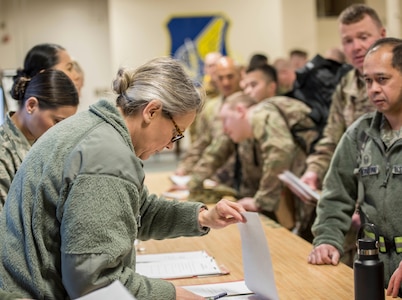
{"x": 224, "y": 213}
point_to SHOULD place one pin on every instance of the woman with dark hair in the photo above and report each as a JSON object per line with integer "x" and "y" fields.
{"x": 44, "y": 96}
{"x": 44, "y": 100}
{"x": 47, "y": 56}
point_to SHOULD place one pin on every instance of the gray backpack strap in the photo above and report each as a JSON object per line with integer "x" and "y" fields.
{"x": 360, "y": 187}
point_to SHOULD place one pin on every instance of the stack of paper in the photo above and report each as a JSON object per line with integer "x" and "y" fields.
{"x": 234, "y": 289}
{"x": 178, "y": 265}
{"x": 180, "y": 180}
{"x": 298, "y": 186}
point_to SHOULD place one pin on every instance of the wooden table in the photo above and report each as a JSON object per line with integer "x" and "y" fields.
{"x": 294, "y": 277}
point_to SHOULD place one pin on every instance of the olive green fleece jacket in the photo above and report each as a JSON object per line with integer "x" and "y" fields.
{"x": 76, "y": 206}
{"x": 8, "y": 296}
{"x": 380, "y": 170}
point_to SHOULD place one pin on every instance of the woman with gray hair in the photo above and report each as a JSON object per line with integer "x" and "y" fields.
{"x": 78, "y": 201}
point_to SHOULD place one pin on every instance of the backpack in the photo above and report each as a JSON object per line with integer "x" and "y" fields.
{"x": 296, "y": 114}
{"x": 315, "y": 84}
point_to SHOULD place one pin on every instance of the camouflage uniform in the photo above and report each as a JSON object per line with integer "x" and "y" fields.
{"x": 216, "y": 161}
{"x": 205, "y": 133}
{"x": 263, "y": 158}
{"x": 14, "y": 147}
{"x": 211, "y": 150}
{"x": 272, "y": 151}
{"x": 211, "y": 93}
{"x": 349, "y": 102}
{"x": 210, "y": 89}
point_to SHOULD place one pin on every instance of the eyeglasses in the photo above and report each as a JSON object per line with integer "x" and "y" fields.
{"x": 179, "y": 134}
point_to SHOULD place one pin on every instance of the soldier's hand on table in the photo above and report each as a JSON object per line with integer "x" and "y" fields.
{"x": 324, "y": 254}
{"x": 395, "y": 282}
{"x": 224, "y": 213}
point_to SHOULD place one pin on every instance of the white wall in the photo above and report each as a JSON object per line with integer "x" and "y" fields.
{"x": 255, "y": 26}
{"x": 299, "y": 24}
{"x": 81, "y": 26}
{"x": 106, "y": 34}
{"x": 327, "y": 30}
{"x": 148, "y": 36}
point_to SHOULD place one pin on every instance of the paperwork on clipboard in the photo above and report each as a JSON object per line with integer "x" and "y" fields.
{"x": 178, "y": 265}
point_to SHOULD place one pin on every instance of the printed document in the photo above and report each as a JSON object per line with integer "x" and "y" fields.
{"x": 178, "y": 265}
{"x": 234, "y": 289}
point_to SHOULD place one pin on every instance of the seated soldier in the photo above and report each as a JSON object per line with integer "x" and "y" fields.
{"x": 263, "y": 130}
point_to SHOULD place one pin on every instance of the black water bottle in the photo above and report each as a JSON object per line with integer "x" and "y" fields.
{"x": 368, "y": 269}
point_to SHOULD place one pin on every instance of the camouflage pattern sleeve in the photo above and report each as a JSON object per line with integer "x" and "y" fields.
{"x": 213, "y": 148}
{"x": 214, "y": 157}
{"x": 251, "y": 167}
{"x": 7, "y": 172}
{"x": 13, "y": 148}
{"x": 211, "y": 94}
{"x": 277, "y": 149}
{"x": 194, "y": 152}
{"x": 349, "y": 102}
{"x": 204, "y": 135}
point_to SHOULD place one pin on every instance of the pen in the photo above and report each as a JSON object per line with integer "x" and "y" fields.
{"x": 217, "y": 296}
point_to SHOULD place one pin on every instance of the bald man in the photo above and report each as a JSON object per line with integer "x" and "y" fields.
{"x": 213, "y": 147}
{"x": 209, "y": 80}
{"x": 210, "y": 87}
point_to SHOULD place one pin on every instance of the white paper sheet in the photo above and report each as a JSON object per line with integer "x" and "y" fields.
{"x": 116, "y": 290}
{"x": 293, "y": 181}
{"x": 177, "y": 265}
{"x": 257, "y": 264}
{"x": 180, "y": 180}
{"x": 234, "y": 289}
{"x": 177, "y": 195}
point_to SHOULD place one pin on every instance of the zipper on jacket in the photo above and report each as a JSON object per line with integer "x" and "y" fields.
{"x": 387, "y": 174}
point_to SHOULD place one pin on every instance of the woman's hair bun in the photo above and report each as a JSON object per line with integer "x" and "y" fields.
{"x": 19, "y": 87}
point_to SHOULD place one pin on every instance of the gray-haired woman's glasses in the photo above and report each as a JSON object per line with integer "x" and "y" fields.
{"x": 179, "y": 134}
